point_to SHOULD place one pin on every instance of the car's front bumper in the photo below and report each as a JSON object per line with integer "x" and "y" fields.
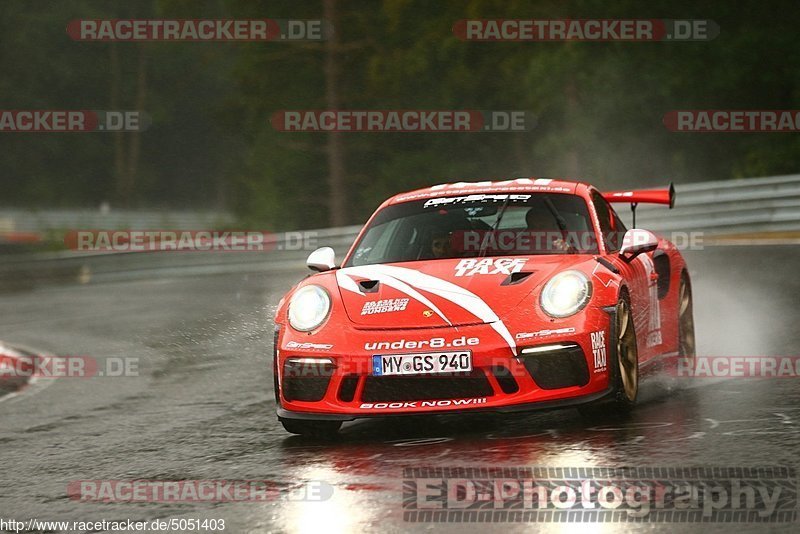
{"x": 499, "y": 382}
{"x": 512, "y": 408}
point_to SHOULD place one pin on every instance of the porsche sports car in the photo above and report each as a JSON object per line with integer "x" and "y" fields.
{"x": 483, "y": 296}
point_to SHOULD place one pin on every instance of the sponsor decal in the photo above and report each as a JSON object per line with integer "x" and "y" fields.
{"x": 384, "y": 306}
{"x": 468, "y": 199}
{"x": 410, "y": 281}
{"x": 434, "y": 343}
{"x": 421, "y": 404}
{"x": 427, "y": 313}
{"x": 654, "y": 325}
{"x": 599, "y": 353}
{"x": 308, "y": 346}
{"x": 473, "y": 266}
{"x": 544, "y": 333}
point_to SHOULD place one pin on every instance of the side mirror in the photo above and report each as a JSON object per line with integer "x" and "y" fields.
{"x": 322, "y": 259}
{"x": 637, "y": 241}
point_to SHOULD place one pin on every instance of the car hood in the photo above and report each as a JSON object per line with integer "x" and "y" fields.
{"x": 440, "y": 293}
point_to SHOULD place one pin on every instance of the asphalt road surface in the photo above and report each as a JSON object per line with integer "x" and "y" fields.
{"x": 202, "y": 407}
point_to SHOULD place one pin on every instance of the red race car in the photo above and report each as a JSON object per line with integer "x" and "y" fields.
{"x": 482, "y": 296}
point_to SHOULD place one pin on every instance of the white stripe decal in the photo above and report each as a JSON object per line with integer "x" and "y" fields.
{"x": 345, "y": 282}
{"x": 367, "y": 272}
{"x": 442, "y": 288}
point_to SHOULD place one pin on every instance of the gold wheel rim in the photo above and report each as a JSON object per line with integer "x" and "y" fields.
{"x": 627, "y": 354}
{"x": 686, "y": 321}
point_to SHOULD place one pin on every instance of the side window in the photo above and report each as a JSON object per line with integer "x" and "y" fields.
{"x": 618, "y": 225}
{"x": 610, "y": 224}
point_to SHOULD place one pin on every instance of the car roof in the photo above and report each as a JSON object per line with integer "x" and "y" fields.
{"x": 516, "y": 185}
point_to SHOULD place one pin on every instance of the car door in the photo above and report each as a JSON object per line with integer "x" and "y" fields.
{"x": 640, "y": 278}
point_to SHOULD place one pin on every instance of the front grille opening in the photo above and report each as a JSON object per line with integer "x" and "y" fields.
{"x": 347, "y": 391}
{"x": 505, "y": 379}
{"x": 305, "y": 389}
{"x": 306, "y": 380}
{"x": 560, "y": 368}
{"x": 428, "y": 387}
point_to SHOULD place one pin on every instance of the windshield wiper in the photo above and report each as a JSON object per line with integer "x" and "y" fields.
{"x": 561, "y": 222}
{"x": 482, "y": 251}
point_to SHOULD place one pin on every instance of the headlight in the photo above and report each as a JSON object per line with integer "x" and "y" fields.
{"x": 308, "y": 308}
{"x": 566, "y": 293}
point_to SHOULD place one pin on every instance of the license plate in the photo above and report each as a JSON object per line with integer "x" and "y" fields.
{"x": 421, "y": 364}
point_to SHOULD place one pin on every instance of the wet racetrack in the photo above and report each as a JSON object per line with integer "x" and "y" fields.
{"x": 202, "y": 406}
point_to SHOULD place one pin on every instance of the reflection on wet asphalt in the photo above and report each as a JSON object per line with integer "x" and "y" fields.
{"x": 202, "y": 407}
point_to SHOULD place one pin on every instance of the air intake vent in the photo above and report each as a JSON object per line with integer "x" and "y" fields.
{"x": 558, "y": 368}
{"x": 369, "y": 286}
{"x": 516, "y": 278}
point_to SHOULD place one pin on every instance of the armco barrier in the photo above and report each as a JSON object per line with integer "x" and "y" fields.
{"x": 44, "y": 220}
{"x": 729, "y": 207}
{"x": 716, "y": 208}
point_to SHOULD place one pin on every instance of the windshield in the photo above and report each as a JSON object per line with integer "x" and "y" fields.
{"x": 477, "y": 225}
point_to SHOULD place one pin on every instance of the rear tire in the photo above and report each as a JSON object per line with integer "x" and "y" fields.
{"x": 686, "y": 339}
{"x": 624, "y": 368}
{"x": 313, "y": 429}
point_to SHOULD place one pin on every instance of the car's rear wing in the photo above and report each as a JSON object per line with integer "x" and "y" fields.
{"x": 646, "y": 196}
{"x": 665, "y": 195}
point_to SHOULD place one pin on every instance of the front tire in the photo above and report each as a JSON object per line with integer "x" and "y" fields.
{"x": 313, "y": 429}
{"x": 626, "y": 380}
{"x": 624, "y": 369}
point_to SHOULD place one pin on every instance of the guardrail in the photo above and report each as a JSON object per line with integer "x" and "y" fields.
{"x": 715, "y": 208}
{"x": 729, "y": 207}
{"x": 44, "y": 220}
